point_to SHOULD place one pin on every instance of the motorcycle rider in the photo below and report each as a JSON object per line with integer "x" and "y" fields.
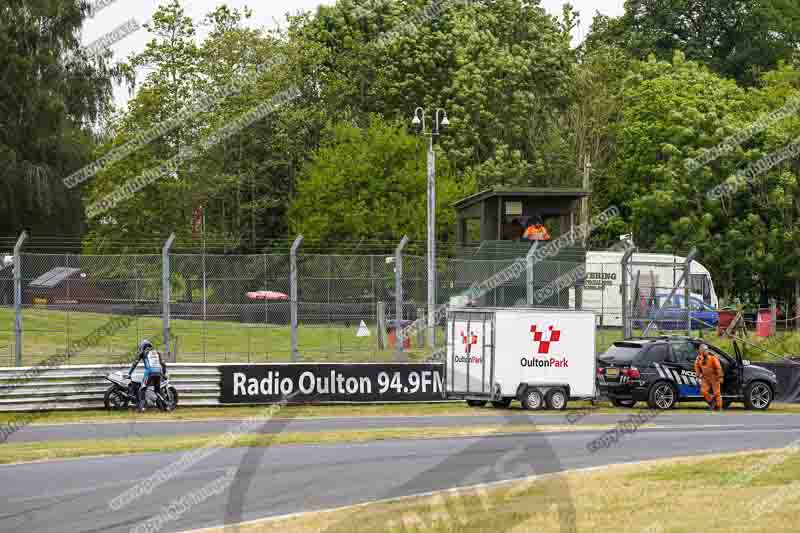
{"x": 154, "y": 367}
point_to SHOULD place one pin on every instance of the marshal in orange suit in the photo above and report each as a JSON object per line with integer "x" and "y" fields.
{"x": 709, "y": 371}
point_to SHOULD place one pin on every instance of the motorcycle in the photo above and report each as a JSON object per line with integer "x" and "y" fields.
{"x": 124, "y": 391}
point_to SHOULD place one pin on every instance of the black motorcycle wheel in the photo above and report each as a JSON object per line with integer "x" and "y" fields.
{"x": 170, "y": 395}
{"x": 115, "y": 399}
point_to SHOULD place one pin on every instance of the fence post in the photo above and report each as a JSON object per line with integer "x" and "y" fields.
{"x": 293, "y": 291}
{"x": 626, "y": 325}
{"x": 421, "y": 332}
{"x": 682, "y": 279}
{"x": 796, "y": 305}
{"x": 687, "y": 292}
{"x": 398, "y": 295}
{"x": 18, "y": 298}
{"x": 579, "y": 294}
{"x": 773, "y": 313}
{"x": 165, "y": 295}
{"x": 381, "y": 320}
{"x": 529, "y": 273}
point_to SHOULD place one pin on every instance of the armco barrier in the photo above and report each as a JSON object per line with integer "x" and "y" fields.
{"x": 788, "y": 374}
{"x": 83, "y": 387}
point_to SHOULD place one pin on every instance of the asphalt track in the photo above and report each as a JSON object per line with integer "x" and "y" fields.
{"x": 74, "y": 495}
{"x": 118, "y": 430}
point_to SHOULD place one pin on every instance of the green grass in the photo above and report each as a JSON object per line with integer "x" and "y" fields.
{"x": 765, "y": 469}
{"x": 351, "y": 410}
{"x": 784, "y": 343}
{"x": 242, "y": 412}
{"x": 53, "y": 449}
{"x": 48, "y": 332}
{"x": 666, "y": 496}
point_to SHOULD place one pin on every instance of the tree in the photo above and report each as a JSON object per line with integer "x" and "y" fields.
{"x": 740, "y": 39}
{"x": 501, "y": 69}
{"x": 372, "y": 183}
{"x": 676, "y": 110}
{"x": 198, "y": 90}
{"x": 50, "y": 94}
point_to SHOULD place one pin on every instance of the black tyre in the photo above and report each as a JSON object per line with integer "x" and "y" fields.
{"x": 115, "y": 399}
{"x": 476, "y": 403}
{"x": 758, "y": 395}
{"x": 556, "y": 399}
{"x": 170, "y": 395}
{"x": 622, "y": 403}
{"x": 532, "y": 399}
{"x": 502, "y": 404}
{"x": 663, "y": 395}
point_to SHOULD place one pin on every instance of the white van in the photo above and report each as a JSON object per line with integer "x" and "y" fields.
{"x": 541, "y": 357}
{"x": 602, "y": 291}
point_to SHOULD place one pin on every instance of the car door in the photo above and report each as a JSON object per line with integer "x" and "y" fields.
{"x": 732, "y": 368}
{"x": 664, "y": 362}
{"x": 730, "y": 371}
{"x": 703, "y": 316}
{"x": 685, "y": 353}
{"x": 672, "y": 314}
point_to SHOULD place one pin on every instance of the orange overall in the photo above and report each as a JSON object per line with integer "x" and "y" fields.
{"x": 709, "y": 371}
{"x": 536, "y": 232}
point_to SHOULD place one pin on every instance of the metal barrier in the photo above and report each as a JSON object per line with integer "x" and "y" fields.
{"x": 83, "y": 386}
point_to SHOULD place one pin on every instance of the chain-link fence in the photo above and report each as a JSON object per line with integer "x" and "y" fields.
{"x": 68, "y": 298}
{"x": 239, "y": 308}
{"x": 6, "y": 306}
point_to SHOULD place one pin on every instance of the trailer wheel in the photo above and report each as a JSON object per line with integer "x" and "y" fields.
{"x": 502, "y": 404}
{"x": 557, "y": 399}
{"x": 532, "y": 399}
{"x": 476, "y": 403}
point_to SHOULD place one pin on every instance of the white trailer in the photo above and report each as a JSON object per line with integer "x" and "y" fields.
{"x": 602, "y": 290}
{"x": 541, "y": 357}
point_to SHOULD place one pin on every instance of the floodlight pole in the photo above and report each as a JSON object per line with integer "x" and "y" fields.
{"x": 419, "y": 122}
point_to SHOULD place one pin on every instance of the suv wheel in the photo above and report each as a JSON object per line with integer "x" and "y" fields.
{"x": 758, "y": 395}
{"x": 532, "y": 399}
{"x": 663, "y": 395}
{"x": 623, "y": 403}
{"x": 557, "y": 399}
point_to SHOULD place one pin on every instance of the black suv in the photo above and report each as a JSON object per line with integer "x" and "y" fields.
{"x": 660, "y": 371}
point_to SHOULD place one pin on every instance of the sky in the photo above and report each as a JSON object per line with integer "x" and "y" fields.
{"x": 267, "y": 14}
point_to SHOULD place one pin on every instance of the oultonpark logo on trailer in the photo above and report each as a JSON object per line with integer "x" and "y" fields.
{"x": 468, "y": 340}
{"x": 544, "y": 345}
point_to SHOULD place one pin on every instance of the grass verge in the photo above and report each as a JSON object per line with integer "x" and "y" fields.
{"x": 48, "y": 332}
{"x": 349, "y": 410}
{"x": 50, "y": 450}
{"x": 665, "y": 496}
